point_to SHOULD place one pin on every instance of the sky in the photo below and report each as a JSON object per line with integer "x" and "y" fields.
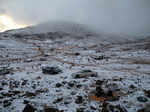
{"x": 117, "y": 16}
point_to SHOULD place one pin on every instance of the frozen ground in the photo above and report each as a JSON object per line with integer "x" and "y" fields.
{"x": 122, "y": 65}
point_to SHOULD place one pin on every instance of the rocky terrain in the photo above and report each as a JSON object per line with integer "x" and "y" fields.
{"x": 70, "y": 72}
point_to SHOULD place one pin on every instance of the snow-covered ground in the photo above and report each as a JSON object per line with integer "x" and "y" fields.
{"x": 123, "y": 65}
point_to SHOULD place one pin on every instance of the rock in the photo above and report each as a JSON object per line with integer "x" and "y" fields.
{"x": 72, "y": 83}
{"x": 84, "y": 74}
{"x": 28, "y": 60}
{"x": 58, "y": 100}
{"x": 6, "y": 103}
{"x": 29, "y": 108}
{"x": 5, "y": 70}
{"x": 79, "y": 100}
{"x": 29, "y": 94}
{"x": 25, "y": 101}
{"x": 78, "y": 85}
{"x": 142, "y": 99}
{"x": 147, "y": 93}
{"x": 145, "y": 109}
{"x": 73, "y": 93}
{"x": 1, "y": 89}
{"x": 41, "y": 90}
{"x": 43, "y": 59}
{"x": 67, "y": 100}
{"x": 80, "y": 109}
{"x": 51, "y": 109}
{"x": 58, "y": 85}
{"x": 77, "y": 54}
{"x": 102, "y": 57}
{"x": 51, "y": 70}
{"x": 112, "y": 108}
{"x": 99, "y": 91}
{"x": 132, "y": 87}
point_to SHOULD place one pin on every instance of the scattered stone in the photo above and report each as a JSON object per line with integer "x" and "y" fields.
{"x": 99, "y": 82}
{"x": 112, "y": 108}
{"x": 6, "y": 103}
{"x": 145, "y": 109}
{"x": 43, "y": 59}
{"x": 77, "y": 54}
{"x": 29, "y": 108}
{"x": 26, "y": 102}
{"x": 79, "y": 86}
{"x": 102, "y": 57}
{"x": 51, "y": 109}
{"x": 58, "y": 85}
{"x": 79, "y": 100}
{"x": 58, "y": 100}
{"x": 42, "y": 90}
{"x": 28, "y": 60}
{"x": 1, "y": 89}
{"x": 29, "y": 94}
{"x": 80, "y": 109}
{"x": 84, "y": 74}
{"x": 5, "y": 70}
{"x": 147, "y": 93}
{"x": 72, "y": 83}
{"x": 24, "y": 82}
{"x": 142, "y": 99}
{"x": 73, "y": 93}
{"x": 67, "y": 100}
{"x": 51, "y": 70}
{"x": 132, "y": 87}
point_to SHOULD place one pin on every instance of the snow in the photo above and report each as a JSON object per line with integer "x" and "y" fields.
{"x": 118, "y": 65}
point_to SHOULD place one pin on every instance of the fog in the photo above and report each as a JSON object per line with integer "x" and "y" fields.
{"x": 130, "y": 17}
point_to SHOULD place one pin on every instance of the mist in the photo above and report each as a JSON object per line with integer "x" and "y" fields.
{"x": 129, "y": 17}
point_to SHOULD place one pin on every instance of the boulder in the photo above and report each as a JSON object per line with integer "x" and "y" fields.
{"x": 84, "y": 74}
{"x": 51, "y": 70}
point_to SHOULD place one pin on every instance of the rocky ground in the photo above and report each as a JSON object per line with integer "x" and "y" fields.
{"x": 61, "y": 72}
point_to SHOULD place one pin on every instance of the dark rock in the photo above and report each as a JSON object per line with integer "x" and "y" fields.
{"x": 58, "y": 85}
{"x": 78, "y": 85}
{"x": 51, "y": 70}
{"x": 102, "y": 57}
{"x": 79, "y": 100}
{"x": 24, "y": 82}
{"x": 58, "y": 100}
{"x": 145, "y": 109}
{"x": 72, "y": 83}
{"x": 7, "y": 94}
{"x": 1, "y": 89}
{"x": 44, "y": 90}
{"x": 142, "y": 99}
{"x": 29, "y": 94}
{"x": 112, "y": 108}
{"x": 84, "y": 74}
{"x": 29, "y": 108}
{"x": 51, "y": 109}
{"x": 80, "y": 109}
{"x": 6, "y": 103}
{"x": 147, "y": 93}
{"x": 43, "y": 59}
{"x": 99, "y": 82}
{"x": 28, "y": 60}
{"x": 25, "y": 101}
{"x": 99, "y": 91}
{"x": 5, "y": 70}
{"x": 73, "y": 93}
{"x": 77, "y": 54}
{"x": 132, "y": 87}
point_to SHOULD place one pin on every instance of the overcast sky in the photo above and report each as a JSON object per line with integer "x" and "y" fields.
{"x": 126, "y": 16}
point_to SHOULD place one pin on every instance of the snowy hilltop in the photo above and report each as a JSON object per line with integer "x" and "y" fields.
{"x": 68, "y": 67}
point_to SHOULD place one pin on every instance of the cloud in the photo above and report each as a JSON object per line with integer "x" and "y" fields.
{"x": 119, "y": 16}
